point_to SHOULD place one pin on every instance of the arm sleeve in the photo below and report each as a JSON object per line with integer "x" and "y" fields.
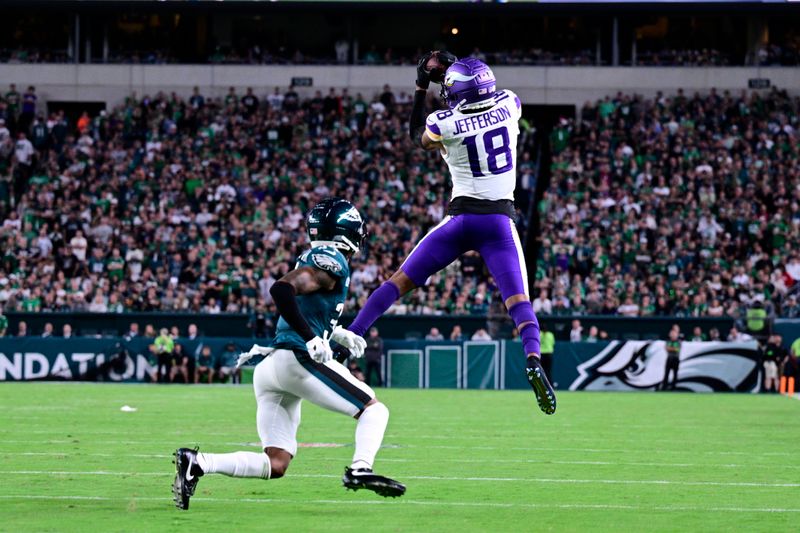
{"x": 416, "y": 123}
{"x": 286, "y": 301}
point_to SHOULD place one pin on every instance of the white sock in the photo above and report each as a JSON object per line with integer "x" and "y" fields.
{"x": 369, "y": 435}
{"x": 236, "y": 464}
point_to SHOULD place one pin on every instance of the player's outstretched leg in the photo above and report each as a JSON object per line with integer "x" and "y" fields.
{"x": 440, "y": 247}
{"x": 502, "y": 252}
{"x": 190, "y": 465}
{"x": 369, "y": 436}
{"x": 187, "y": 474}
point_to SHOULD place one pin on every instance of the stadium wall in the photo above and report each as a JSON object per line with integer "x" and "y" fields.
{"x": 608, "y": 366}
{"x": 535, "y": 85}
{"x": 390, "y": 326}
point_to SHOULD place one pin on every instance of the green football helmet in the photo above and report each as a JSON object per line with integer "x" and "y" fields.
{"x": 336, "y": 222}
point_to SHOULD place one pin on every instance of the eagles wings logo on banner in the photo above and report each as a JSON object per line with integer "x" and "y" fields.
{"x": 641, "y": 365}
{"x": 326, "y": 262}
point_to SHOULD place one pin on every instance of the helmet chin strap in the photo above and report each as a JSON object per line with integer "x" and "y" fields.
{"x": 489, "y": 102}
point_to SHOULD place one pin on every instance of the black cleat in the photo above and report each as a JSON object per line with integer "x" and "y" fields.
{"x": 187, "y": 473}
{"x": 364, "y": 478}
{"x": 545, "y": 395}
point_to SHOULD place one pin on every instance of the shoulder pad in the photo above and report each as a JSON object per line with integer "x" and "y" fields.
{"x": 327, "y": 259}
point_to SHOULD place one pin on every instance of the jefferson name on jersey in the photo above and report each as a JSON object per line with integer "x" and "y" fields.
{"x": 480, "y": 146}
{"x": 474, "y": 122}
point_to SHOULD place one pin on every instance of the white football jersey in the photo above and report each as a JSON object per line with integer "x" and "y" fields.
{"x": 480, "y": 147}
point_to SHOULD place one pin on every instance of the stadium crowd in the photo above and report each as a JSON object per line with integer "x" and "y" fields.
{"x": 197, "y": 204}
{"x": 680, "y": 205}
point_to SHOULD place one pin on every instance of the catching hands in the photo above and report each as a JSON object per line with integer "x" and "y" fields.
{"x": 423, "y": 76}
{"x": 355, "y": 343}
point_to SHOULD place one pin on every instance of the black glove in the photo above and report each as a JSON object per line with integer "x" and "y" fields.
{"x": 446, "y": 59}
{"x": 423, "y": 76}
{"x": 341, "y": 354}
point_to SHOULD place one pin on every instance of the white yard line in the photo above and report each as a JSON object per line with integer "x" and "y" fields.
{"x": 445, "y": 478}
{"x": 401, "y": 502}
{"x": 392, "y": 446}
{"x": 79, "y": 455}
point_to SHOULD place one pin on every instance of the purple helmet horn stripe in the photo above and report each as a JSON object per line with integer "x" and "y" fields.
{"x": 468, "y": 81}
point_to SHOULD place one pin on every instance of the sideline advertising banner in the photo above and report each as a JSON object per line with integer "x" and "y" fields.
{"x": 609, "y": 366}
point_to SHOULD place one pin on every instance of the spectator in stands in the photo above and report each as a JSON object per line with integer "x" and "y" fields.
{"x": 542, "y": 304}
{"x": 355, "y": 370}
{"x": 3, "y": 324}
{"x": 22, "y": 329}
{"x": 713, "y": 335}
{"x": 673, "y": 348}
{"x": 481, "y": 335}
{"x": 457, "y": 335}
{"x": 576, "y": 333}
{"x": 772, "y": 356}
{"x": 261, "y": 324}
{"x": 182, "y": 364}
{"x": 548, "y": 347}
{"x": 48, "y": 330}
{"x": 163, "y": 347}
{"x": 734, "y": 335}
{"x": 434, "y": 335}
{"x": 133, "y": 331}
{"x": 593, "y": 334}
{"x": 226, "y": 365}
{"x": 66, "y": 331}
{"x": 373, "y": 354}
{"x": 790, "y": 368}
{"x": 698, "y": 335}
{"x": 205, "y": 365}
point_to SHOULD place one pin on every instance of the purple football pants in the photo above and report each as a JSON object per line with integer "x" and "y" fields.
{"x": 492, "y": 236}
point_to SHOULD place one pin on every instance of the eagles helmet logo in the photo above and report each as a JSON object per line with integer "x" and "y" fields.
{"x": 326, "y": 262}
{"x": 351, "y": 214}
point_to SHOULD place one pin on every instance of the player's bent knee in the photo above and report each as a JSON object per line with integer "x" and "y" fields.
{"x": 279, "y": 462}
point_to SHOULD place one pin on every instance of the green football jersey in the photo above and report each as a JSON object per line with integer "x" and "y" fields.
{"x": 321, "y": 309}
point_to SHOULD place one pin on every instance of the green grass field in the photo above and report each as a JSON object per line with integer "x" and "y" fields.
{"x": 472, "y": 461}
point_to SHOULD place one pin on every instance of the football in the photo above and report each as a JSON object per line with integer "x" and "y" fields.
{"x": 436, "y": 68}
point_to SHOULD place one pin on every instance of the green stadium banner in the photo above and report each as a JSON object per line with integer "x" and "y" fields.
{"x": 617, "y": 365}
{"x": 481, "y": 365}
{"x": 513, "y": 374}
{"x": 404, "y": 368}
{"x": 443, "y": 367}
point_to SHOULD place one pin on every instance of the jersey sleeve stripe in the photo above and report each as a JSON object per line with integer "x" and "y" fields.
{"x": 433, "y": 136}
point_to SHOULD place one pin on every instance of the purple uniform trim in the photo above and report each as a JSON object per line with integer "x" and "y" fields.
{"x": 516, "y": 101}
{"x": 433, "y": 127}
{"x": 493, "y": 236}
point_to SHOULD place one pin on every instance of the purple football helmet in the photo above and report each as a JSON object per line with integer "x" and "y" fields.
{"x": 468, "y": 81}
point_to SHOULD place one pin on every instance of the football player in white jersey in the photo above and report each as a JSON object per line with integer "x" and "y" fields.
{"x": 477, "y": 137}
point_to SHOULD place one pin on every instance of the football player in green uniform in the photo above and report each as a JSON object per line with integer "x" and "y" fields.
{"x": 299, "y": 364}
